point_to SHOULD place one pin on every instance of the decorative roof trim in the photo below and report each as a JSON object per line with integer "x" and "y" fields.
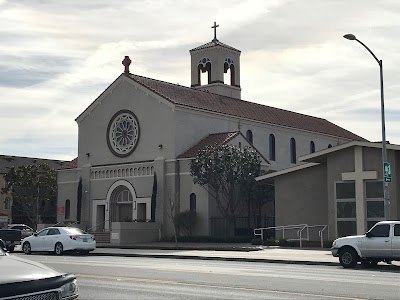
{"x": 286, "y": 171}
{"x": 214, "y": 43}
{"x": 310, "y": 157}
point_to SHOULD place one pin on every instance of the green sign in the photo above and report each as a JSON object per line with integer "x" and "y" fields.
{"x": 387, "y": 174}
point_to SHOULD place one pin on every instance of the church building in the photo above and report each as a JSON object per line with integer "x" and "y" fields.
{"x": 136, "y": 141}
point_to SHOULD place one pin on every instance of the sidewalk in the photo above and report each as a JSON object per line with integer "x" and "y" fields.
{"x": 227, "y": 252}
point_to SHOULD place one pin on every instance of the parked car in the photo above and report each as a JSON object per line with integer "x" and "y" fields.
{"x": 25, "y": 229}
{"x": 380, "y": 243}
{"x": 58, "y": 240}
{"x": 25, "y": 279}
{"x": 11, "y": 238}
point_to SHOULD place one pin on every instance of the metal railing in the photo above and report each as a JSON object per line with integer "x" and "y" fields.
{"x": 300, "y": 228}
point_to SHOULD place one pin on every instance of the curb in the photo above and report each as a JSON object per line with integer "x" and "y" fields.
{"x": 211, "y": 248}
{"x": 243, "y": 259}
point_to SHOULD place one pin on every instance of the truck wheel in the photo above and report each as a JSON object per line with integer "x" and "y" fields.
{"x": 58, "y": 249}
{"x": 10, "y": 248}
{"x": 348, "y": 258}
{"x": 26, "y": 247}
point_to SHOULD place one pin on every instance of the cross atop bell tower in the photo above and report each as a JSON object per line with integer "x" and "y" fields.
{"x": 222, "y": 65}
{"x": 215, "y": 31}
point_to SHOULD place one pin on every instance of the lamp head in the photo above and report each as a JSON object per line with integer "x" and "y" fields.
{"x": 350, "y": 37}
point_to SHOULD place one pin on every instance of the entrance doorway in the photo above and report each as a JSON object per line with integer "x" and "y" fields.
{"x": 100, "y": 217}
{"x": 121, "y": 205}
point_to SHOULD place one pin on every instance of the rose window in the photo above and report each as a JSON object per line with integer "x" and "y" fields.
{"x": 123, "y": 133}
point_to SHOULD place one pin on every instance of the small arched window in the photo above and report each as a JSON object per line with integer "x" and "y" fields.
{"x": 312, "y": 147}
{"x": 292, "y": 150}
{"x": 192, "y": 202}
{"x": 271, "y": 147}
{"x": 67, "y": 212}
{"x": 249, "y": 136}
{"x": 329, "y": 146}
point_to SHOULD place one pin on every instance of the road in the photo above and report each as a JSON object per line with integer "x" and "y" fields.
{"x": 152, "y": 278}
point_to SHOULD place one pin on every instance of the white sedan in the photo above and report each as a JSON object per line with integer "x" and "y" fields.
{"x": 58, "y": 240}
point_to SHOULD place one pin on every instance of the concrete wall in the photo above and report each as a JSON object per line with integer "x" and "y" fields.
{"x": 301, "y": 197}
{"x": 125, "y": 233}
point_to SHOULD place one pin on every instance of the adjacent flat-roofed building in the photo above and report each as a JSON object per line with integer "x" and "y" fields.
{"x": 340, "y": 187}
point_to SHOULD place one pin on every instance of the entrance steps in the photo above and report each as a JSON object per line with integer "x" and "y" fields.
{"x": 102, "y": 237}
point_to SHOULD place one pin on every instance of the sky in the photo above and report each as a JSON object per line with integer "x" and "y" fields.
{"x": 57, "y": 57}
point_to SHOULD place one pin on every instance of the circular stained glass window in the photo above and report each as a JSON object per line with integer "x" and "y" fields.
{"x": 123, "y": 133}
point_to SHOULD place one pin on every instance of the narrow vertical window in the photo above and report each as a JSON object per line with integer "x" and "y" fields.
{"x": 7, "y": 203}
{"x": 312, "y": 147}
{"x": 67, "y": 211}
{"x": 271, "y": 147}
{"x": 249, "y": 136}
{"x": 192, "y": 202}
{"x": 292, "y": 150}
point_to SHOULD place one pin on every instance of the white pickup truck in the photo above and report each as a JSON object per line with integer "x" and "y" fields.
{"x": 380, "y": 243}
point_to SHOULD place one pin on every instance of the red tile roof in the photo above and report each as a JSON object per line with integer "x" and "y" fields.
{"x": 73, "y": 164}
{"x": 213, "y": 44}
{"x": 9, "y": 161}
{"x": 214, "y": 139}
{"x": 189, "y": 97}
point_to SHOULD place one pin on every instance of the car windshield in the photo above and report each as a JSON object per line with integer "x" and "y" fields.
{"x": 74, "y": 231}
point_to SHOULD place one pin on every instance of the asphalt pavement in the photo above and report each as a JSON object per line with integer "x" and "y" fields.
{"x": 222, "y": 252}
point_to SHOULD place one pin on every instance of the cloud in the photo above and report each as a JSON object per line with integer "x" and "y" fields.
{"x": 56, "y": 57}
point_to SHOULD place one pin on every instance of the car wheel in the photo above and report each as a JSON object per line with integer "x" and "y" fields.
{"x": 10, "y": 248}
{"x": 26, "y": 247}
{"x": 58, "y": 249}
{"x": 348, "y": 258}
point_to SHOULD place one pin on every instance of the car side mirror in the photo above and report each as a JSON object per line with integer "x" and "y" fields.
{"x": 368, "y": 235}
{"x": 35, "y": 234}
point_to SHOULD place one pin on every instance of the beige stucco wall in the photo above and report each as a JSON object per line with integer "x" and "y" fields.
{"x": 217, "y": 56}
{"x": 67, "y": 181}
{"x": 301, "y": 197}
{"x": 191, "y": 126}
{"x": 155, "y": 120}
{"x": 2, "y": 198}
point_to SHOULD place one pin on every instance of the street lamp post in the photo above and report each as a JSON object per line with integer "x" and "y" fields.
{"x": 384, "y": 152}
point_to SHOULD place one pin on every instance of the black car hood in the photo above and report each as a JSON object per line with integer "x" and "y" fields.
{"x": 16, "y": 269}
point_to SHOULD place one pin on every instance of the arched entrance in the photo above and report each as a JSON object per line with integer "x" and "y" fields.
{"x": 121, "y": 205}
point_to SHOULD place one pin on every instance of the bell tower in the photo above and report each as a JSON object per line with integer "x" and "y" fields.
{"x": 216, "y": 59}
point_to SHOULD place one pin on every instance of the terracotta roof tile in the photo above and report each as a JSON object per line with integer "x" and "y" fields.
{"x": 214, "y": 139}
{"x": 213, "y": 44}
{"x": 73, "y": 164}
{"x": 189, "y": 97}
